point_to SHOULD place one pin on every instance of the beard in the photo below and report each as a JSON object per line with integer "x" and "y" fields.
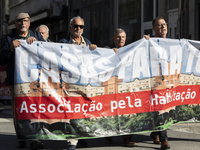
{"x": 79, "y": 34}
{"x": 23, "y": 29}
{"x": 76, "y": 33}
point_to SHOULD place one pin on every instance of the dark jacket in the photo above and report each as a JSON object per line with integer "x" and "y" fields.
{"x": 68, "y": 41}
{"x": 166, "y": 37}
{"x": 7, "y": 57}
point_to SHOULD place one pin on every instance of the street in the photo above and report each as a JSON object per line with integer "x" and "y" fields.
{"x": 184, "y": 136}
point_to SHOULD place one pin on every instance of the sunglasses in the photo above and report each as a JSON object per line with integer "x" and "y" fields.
{"x": 76, "y": 26}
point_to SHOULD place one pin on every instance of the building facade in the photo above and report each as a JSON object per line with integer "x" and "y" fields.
{"x": 102, "y": 17}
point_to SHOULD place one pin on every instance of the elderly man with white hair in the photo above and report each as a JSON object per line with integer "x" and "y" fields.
{"x": 76, "y": 26}
{"x": 44, "y": 30}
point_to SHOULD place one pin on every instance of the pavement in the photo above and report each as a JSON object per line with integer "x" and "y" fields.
{"x": 182, "y": 136}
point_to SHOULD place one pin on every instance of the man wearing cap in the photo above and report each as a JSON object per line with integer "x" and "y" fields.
{"x": 7, "y": 57}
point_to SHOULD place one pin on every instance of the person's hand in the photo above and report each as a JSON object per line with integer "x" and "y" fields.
{"x": 31, "y": 39}
{"x": 116, "y": 50}
{"x": 147, "y": 37}
{"x": 14, "y": 44}
{"x": 93, "y": 46}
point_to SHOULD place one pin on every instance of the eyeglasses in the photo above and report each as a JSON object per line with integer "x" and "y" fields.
{"x": 21, "y": 20}
{"x": 76, "y": 26}
{"x": 160, "y": 25}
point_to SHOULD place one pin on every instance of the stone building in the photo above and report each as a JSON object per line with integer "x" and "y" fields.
{"x": 103, "y": 16}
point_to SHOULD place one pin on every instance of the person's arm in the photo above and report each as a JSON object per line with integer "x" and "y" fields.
{"x": 93, "y": 46}
{"x": 31, "y": 39}
{"x": 7, "y": 49}
{"x": 116, "y": 50}
{"x": 147, "y": 37}
{"x": 35, "y": 36}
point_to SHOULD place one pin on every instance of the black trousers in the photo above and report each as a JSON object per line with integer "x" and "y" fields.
{"x": 162, "y": 135}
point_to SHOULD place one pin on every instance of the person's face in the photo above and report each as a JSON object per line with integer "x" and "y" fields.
{"x": 22, "y": 25}
{"x": 43, "y": 32}
{"x": 120, "y": 39}
{"x": 76, "y": 28}
{"x": 160, "y": 28}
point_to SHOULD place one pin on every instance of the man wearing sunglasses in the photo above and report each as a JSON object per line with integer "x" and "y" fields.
{"x": 76, "y": 26}
{"x": 7, "y": 57}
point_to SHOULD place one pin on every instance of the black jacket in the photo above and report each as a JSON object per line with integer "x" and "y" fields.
{"x": 68, "y": 41}
{"x": 7, "y": 57}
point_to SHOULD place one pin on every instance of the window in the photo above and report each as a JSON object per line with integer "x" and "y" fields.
{"x": 129, "y": 19}
{"x": 147, "y": 10}
{"x": 159, "y": 83}
{"x": 34, "y": 90}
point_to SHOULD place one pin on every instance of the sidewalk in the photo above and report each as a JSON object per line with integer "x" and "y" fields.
{"x": 182, "y": 136}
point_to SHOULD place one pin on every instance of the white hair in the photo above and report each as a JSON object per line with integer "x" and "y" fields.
{"x": 77, "y": 17}
{"x": 42, "y": 25}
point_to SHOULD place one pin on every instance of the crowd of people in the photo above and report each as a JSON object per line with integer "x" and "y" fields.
{"x": 76, "y": 27}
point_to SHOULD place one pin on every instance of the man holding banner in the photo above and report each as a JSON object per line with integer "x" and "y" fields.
{"x": 7, "y": 56}
{"x": 160, "y": 29}
{"x": 76, "y": 26}
{"x": 119, "y": 40}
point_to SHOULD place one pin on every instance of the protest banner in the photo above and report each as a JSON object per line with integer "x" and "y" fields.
{"x": 65, "y": 91}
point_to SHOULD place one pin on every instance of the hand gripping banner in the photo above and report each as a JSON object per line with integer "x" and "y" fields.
{"x": 65, "y": 91}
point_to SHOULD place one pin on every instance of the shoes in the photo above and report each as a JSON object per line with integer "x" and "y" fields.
{"x": 109, "y": 140}
{"x": 35, "y": 144}
{"x": 165, "y": 145}
{"x": 71, "y": 147}
{"x": 21, "y": 144}
{"x": 129, "y": 143}
{"x": 155, "y": 138}
{"x": 82, "y": 143}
